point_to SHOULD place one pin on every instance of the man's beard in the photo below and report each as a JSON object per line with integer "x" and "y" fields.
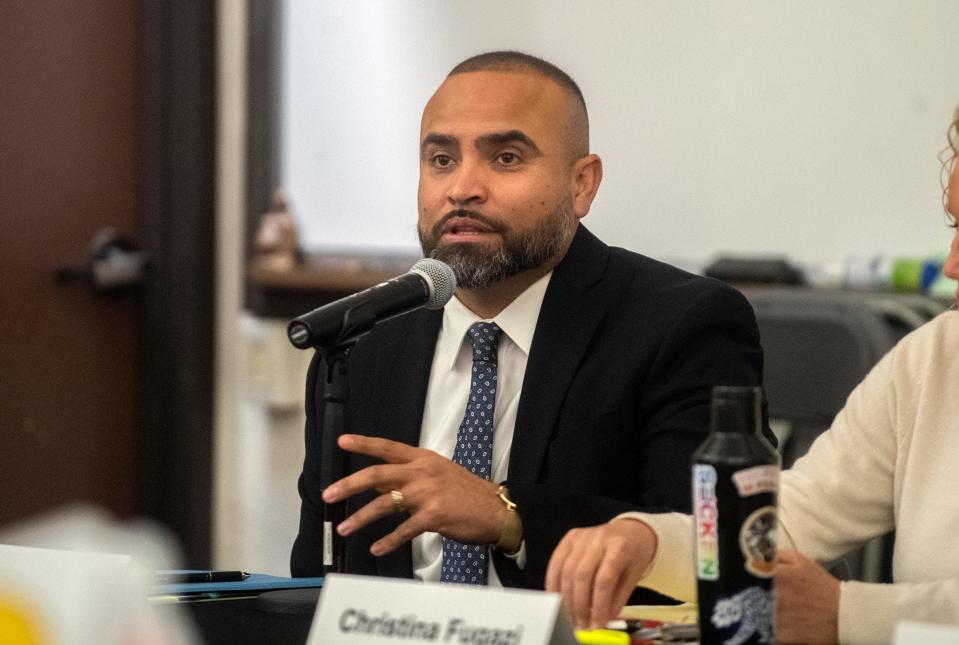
{"x": 477, "y": 266}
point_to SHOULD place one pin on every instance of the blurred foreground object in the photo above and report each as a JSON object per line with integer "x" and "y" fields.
{"x": 76, "y": 576}
{"x": 276, "y": 246}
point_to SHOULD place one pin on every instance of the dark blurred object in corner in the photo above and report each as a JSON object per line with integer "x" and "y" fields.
{"x": 755, "y": 271}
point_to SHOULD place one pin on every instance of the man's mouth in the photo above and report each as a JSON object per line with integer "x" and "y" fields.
{"x": 465, "y": 226}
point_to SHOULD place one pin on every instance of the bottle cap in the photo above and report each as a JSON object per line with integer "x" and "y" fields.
{"x": 931, "y": 268}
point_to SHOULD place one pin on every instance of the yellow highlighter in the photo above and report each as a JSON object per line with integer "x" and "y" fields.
{"x": 602, "y": 637}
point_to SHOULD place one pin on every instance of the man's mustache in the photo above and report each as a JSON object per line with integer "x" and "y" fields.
{"x": 491, "y": 224}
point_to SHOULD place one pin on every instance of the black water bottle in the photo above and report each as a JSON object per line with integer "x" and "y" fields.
{"x": 735, "y": 486}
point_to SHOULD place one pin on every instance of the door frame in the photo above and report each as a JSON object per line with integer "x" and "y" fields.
{"x": 174, "y": 446}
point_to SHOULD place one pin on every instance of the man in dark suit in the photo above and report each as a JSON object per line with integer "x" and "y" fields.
{"x": 597, "y": 362}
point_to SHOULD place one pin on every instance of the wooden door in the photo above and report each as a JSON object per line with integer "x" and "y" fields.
{"x": 68, "y": 167}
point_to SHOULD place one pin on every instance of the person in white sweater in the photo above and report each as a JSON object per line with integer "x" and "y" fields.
{"x": 889, "y": 461}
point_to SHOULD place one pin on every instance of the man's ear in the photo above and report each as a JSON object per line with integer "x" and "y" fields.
{"x": 586, "y": 175}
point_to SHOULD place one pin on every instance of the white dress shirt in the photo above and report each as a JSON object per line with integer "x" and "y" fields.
{"x": 448, "y": 391}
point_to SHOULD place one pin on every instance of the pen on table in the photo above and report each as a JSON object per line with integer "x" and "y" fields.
{"x": 185, "y": 577}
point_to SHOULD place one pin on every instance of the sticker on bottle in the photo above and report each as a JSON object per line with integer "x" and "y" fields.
{"x": 755, "y": 480}
{"x": 751, "y": 613}
{"x": 707, "y": 520}
{"x": 757, "y": 540}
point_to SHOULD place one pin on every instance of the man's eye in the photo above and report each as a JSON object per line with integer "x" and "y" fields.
{"x": 507, "y": 158}
{"x": 442, "y": 161}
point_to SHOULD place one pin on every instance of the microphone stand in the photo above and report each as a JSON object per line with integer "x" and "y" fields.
{"x": 348, "y": 319}
{"x": 335, "y": 396}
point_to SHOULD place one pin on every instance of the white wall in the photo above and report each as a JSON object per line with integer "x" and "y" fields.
{"x": 228, "y": 503}
{"x": 806, "y": 128}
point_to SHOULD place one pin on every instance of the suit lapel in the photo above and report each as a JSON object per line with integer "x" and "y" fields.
{"x": 403, "y": 368}
{"x": 572, "y": 309}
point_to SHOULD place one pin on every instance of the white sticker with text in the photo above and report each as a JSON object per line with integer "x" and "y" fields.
{"x": 759, "y": 479}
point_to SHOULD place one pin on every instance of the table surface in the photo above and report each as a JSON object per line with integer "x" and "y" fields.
{"x": 242, "y": 621}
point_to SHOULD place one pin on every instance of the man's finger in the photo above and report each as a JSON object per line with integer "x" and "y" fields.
{"x": 378, "y": 508}
{"x": 392, "y": 452}
{"x": 380, "y": 477}
{"x": 400, "y": 536}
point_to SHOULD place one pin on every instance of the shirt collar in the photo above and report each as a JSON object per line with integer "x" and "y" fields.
{"x": 517, "y": 320}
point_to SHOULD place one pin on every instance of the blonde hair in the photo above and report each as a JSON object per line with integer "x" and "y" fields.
{"x": 948, "y": 158}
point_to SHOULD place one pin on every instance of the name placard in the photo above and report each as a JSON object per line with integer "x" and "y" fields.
{"x": 364, "y": 609}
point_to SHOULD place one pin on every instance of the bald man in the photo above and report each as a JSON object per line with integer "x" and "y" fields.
{"x": 565, "y": 382}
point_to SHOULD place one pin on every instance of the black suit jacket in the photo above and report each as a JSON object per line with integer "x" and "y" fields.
{"x": 614, "y": 401}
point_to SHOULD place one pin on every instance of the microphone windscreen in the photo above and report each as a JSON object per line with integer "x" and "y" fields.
{"x": 441, "y": 280}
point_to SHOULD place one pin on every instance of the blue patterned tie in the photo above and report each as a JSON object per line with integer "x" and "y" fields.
{"x": 469, "y": 563}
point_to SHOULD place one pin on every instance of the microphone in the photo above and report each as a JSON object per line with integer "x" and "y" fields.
{"x": 429, "y": 283}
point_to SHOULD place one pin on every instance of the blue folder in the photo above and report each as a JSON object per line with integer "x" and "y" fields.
{"x": 253, "y": 585}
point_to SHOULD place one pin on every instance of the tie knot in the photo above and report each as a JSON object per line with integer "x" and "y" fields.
{"x": 484, "y": 337}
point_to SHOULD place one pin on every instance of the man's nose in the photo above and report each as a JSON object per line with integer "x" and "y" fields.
{"x": 468, "y": 185}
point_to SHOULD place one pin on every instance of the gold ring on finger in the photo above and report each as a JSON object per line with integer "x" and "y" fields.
{"x": 399, "y": 501}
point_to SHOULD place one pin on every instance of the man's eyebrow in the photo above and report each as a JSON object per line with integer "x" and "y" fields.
{"x": 510, "y": 136}
{"x": 436, "y": 139}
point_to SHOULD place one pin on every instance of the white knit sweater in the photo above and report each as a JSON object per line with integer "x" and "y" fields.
{"x": 890, "y": 460}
